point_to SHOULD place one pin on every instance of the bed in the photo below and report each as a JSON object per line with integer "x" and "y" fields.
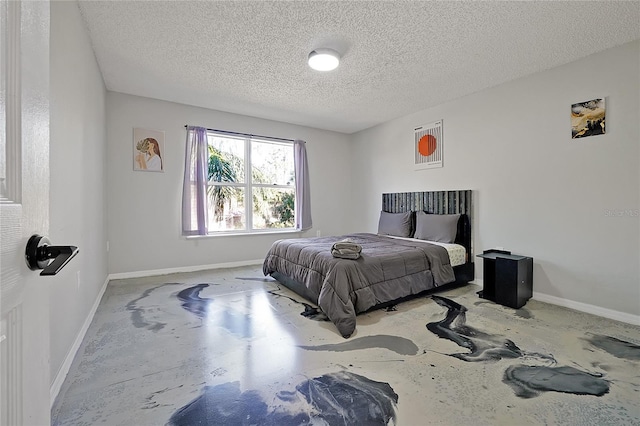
{"x": 423, "y": 242}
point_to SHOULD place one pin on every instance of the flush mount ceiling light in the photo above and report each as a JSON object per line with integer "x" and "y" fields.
{"x": 324, "y": 59}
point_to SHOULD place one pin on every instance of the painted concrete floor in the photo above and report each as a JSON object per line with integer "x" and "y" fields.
{"x": 230, "y": 346}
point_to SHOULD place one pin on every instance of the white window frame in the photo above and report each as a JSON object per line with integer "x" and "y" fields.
{"x": 248, "y": 185}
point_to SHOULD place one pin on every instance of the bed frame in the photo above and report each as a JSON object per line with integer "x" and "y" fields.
{"x": 441, "y": 202}
{"x": 437, "y": 202}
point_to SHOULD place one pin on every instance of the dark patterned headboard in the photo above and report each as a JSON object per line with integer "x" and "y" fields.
{"x": 436, "y": 202}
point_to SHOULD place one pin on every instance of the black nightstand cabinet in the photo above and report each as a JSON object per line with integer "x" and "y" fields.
{"x": 514, "y": 279}
{"x": 507, "y": 278}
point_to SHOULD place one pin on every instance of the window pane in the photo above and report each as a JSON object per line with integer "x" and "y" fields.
{"x": 226, "y": 159}
{"x": 272, "y": 163}
{"x": 273, "y": 208}
{"x": 226, "y": 208}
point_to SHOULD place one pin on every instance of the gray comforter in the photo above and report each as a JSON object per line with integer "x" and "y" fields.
{"x": 387, "y": 269}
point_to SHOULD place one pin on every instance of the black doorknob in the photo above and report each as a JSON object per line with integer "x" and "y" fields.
{"x": 51, "y": 259}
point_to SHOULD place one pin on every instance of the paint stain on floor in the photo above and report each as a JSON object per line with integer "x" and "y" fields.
{"x": 482, "y": 346}
{"x": 310, "y": 312}
{"x": 224, "y": 316}
{"x": 616, "y": 347}
{"x": 192, "y": 302}
{"x": 341, "y": 398}
{"x": 138, "y": 310}
{"x": 527, "y": 381}
{"x": 397, "y": 344}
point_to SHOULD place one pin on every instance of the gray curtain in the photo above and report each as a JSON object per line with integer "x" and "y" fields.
{"x": 194, "y": 189}
{"x": 303, "y": 194}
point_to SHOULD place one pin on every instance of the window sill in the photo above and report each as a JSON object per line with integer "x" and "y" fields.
{"x": 243, "y": 234}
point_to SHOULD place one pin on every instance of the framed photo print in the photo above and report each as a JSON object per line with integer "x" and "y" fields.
{"x": 588, "y": 118}
{"x": 148, "y": 150}
{"x": 428, "y": 145}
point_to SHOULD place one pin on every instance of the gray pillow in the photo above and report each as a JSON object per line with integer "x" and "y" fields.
{"x": 396, "y": 224}
{"x": 441, "y": 228}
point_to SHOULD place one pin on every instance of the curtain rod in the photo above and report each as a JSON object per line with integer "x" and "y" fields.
{"x": 246, "y": 134}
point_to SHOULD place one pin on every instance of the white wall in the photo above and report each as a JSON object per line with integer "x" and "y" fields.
{"x": 537, "y": 191}
{"x": 144, "y": 216}
{"x": 78, "y": 178}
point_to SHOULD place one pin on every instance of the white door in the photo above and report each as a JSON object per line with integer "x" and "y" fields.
{"x": 24, "y": 210}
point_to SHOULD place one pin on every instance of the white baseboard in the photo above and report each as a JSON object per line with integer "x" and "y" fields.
{"x": 66, "y": 365}
{"x": 153, "y": 272}
{"x": 590, "y": 309}
{"x": 582, "y": 307}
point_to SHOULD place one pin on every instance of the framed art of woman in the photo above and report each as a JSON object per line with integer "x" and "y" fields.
{"x": 148, "y": 150}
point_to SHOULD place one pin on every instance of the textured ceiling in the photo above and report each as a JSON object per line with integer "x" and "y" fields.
{"x": 399, "y": 57}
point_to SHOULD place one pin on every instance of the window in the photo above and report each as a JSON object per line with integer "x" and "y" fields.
{"x": 249, "y": 184}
